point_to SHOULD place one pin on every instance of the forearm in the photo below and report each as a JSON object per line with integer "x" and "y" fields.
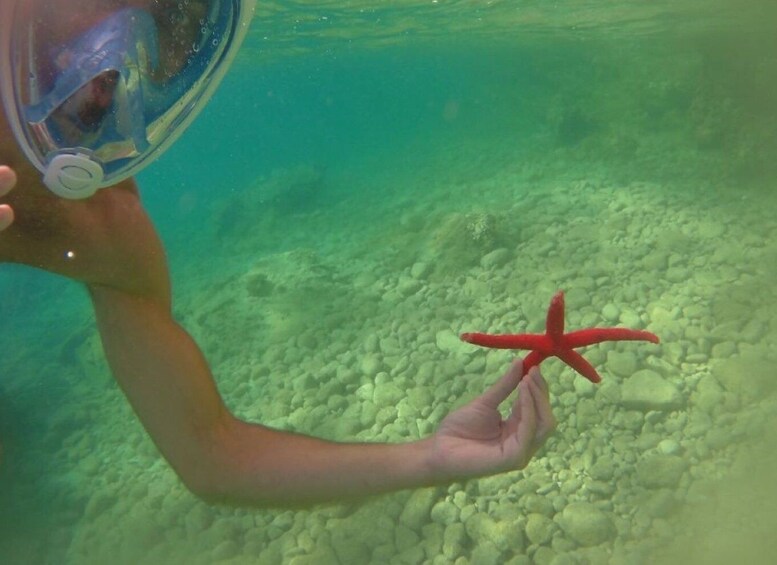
{"x": 271, "y": 467}
{"x": 168, "y": 383}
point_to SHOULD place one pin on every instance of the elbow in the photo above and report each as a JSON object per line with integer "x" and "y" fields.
{"x": 208, "y": 491}
{"x": 221, "y": 469}
{"x": 212, "y": 470}
{"x": 208, "y": 481}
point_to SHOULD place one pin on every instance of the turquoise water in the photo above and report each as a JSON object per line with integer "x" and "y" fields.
{"x": 369, "y": 183}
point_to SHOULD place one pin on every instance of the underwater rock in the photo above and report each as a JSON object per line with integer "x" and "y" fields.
{"x": 669, "y": 446}
{"x": 387, "y": 394}
{"x": 587, "y": 412}
{"x": 480, "y": 527}
{"x": 708, "y": 395}
{"x": 750, "y": 373}
{"x": 495, "y": 259}
{"x": 487, "y": 554}
{"x": 622, "y": 363}
{"x": 371, "y": 365}
{"x": 535, "y": 504}
{"x": 586, "y": 524}
{"x": 445, "y": 513}
{"x": 99, "y": 503}
{"x": 418, "y": 508}
{"x": 601, "y": 488}
{"x": 584, "y": 387}
{"x": 659, "y": 503}
{"x": 724, "y": 350}
{"x": 647, "y": 390}
{"x": 349, "y": 545}
{"x": 659, "y": 471}
{"x": 258, "y": 285}
{"x": 610, "y": 312}
{"x": 198, "y": 519}
{"x": 602, "y": 470}
{"x": 454, "y": 540}
{"x": 461, "y": 241}
{"x": 539, "y": 529}
{"x": 227, "y": 549}
{"x": 449, "y": 342}
{"x": 420, "y": 270}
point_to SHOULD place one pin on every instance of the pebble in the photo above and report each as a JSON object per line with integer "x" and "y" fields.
{"x": 577, "y": 298}
{"x": 197, "y": 520}
{"x": 658, "y": 471}
{"x": 539, "y": 529}
{"x": 538, "y": 504}
{"x": 480, "y": 527}
{"x": 571, "y": 486}
{"x": 584, "y": 387}
{"x": 586, "y": 524}
{"x": 676, "y": 274}
{"x": 407, "y": 286}
{"x": 454, "y": 540}
{"x": 420, "y": 270}
{"x": 449, "y": 342}
{"x": 622, "y": 363}
{"x": 630, "y": 319}
{"x": 753, "y": 332}
{"x": 497, "y": 258}
{"x": 445, "y": 513}
{"x": 724, "y": 350}
{"x": 601, "y": 488}
{"x": 371, "y": 365}
{"x": 486, "y": 554}
{"x": 225, "y": 550}
{"x": 696, "y": 358}
{"x": 647, "y": 390}
{"x": 602, "y": 470}
{"x": 98, "y": 504}
{"x": 387, "y": 394}
{"x": 669, "y": 446}
{"x": 418, "y": 508}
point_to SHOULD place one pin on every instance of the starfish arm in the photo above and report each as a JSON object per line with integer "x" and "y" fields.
{"x": 508, "y": 341}
{"x": 590, "y": 336}
{"x": 579, "y": 364}
{"x": 532, "y": 359}
{"x": 554, "y": 323}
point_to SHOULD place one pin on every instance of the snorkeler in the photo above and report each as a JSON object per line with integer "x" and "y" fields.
{"x": 89, "y": 101}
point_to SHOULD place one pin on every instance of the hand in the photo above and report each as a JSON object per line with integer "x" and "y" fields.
{"x": 7, "y": 182}
{"x": 475, "y": 441}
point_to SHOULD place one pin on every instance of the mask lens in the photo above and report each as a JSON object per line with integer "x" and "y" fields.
{"x": 86, "y": 109}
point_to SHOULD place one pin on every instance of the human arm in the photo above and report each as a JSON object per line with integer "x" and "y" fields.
{"x": 222, "y": 458}
{"x": 7, "y": 182}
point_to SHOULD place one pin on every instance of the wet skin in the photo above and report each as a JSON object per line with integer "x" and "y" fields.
{"x": 107, "y": 240}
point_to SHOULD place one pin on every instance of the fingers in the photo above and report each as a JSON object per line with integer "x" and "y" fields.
{"x": 525, "y": 417}
{"x": 6, "y": 216}
{"x": 546, "y": 422}
{"x": 7, "y": 182}
{"x": 531, "y": 421}
{"x": 502, "y": 388}
{"x": 7, "y": 179}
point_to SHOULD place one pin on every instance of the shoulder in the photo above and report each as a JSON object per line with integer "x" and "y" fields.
{"x": 105, "y": 240}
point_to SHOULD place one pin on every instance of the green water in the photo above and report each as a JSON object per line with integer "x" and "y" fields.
{"x": 371, "y": 181}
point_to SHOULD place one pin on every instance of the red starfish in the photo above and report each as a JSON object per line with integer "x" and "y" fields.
{"x": 555, "y": 343}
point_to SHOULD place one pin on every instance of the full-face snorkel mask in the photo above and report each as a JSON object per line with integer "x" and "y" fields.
{"x": 95, "y": 93}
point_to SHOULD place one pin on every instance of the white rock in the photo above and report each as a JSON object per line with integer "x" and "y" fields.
{"x": 647, "y": 390}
